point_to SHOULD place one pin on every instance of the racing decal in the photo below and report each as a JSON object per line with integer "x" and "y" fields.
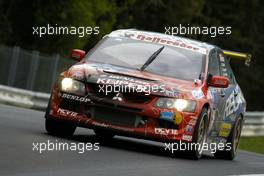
{"x": 66, "y": 113}
{"x": 165, "y": 131}
{"x": 233, "y": 102}
{"x": 225, "y": 129}
{"x": 114, "y": 79}
{"x": 198, "y": 93}
{"x": 75, "y": 97}
{"x": 163, "y": 39}
{"x": 186, "y": 137}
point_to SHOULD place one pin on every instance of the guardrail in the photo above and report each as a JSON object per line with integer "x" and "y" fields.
{"x": 254, "y": 121}
{"x": 23, "y": 98}
{"x": 254, "y": 124}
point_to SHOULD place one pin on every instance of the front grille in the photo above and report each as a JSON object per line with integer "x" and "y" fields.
{"x": 70, "y": 105}
{"x": 137, "y": 97}
{"x": 111, "y": 105}
{"x": 114, "y": 116}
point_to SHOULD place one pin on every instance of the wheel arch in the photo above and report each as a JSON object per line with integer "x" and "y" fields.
{"x": 207, "y": 106}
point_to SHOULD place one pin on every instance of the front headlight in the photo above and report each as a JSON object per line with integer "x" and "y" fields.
{"x": 178, "y": 104}
{"x": 72, "y": 86}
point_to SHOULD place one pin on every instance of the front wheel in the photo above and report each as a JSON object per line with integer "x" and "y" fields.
{"x": 233, "y": 140}
{"x": 56, "y": 127}
{"x": 59, "y": 128}
{"x": 199, "y": 136}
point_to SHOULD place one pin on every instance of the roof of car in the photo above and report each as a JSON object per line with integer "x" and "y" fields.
{"x": 164, "y": 39}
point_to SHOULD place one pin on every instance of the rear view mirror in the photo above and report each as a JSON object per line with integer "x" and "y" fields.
{"x": 219, "y": 81}
{"x": 77, "y": 54}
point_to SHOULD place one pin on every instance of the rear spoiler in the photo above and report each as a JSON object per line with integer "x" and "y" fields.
{"x": 242, "y": 56}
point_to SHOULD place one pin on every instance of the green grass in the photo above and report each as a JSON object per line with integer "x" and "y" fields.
{"x": 252, "y": 144}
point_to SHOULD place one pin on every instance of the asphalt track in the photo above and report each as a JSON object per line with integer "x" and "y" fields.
{"x": 19, "y": 128}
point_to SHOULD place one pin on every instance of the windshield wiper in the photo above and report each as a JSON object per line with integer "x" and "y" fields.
{"x": 151, "y": 58}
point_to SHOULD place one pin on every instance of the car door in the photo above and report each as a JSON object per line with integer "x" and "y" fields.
{"x": 235, "y": 102}
{"x": 227, "y": 94}
{"x": 219, "y": 96}
{"x": 214, "y": 93}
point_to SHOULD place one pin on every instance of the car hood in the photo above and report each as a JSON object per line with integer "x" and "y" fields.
{"x": 100, "y": 73}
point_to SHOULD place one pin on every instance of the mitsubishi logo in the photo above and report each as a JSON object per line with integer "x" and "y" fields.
{"x": 118, "y": 97}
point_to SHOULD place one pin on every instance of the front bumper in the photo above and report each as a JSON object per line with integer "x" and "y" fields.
{"x": 130, "y": 119}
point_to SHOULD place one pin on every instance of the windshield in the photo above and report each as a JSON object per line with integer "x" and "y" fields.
{"x": 172, "y": 61}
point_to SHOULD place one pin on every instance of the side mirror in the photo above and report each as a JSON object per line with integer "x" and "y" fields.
{"x": 219, "y": 81}
{"x": 77, "y": 54}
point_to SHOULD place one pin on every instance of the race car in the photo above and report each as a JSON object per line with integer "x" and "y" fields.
{"x": 152, "y": 86}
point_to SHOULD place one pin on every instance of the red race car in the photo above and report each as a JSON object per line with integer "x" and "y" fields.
{"x": 152, "y": 86}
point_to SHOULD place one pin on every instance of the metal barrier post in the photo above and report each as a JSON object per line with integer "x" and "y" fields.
{"x": 13, "y": 66}
{"x": 32, "y": 70}
{"x": 54, "y": 69}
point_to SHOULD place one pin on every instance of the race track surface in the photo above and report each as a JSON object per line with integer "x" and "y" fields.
{"x": 20, "y": 128}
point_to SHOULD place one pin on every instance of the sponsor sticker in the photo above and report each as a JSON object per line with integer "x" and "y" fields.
{"x": 198, "y": 93}
{"x": 177, "y": 118}
{"x": 187, "y": 137}
{"x": 165, "y": 131}
{"x": 189, "y": 128}
{"x": 220, "y": 140}
{"x": 167, "y": 115}
{"x": 75, "y": 97}
{"x": 163, "y": 39}
{"x": 192, "y": 122}
{"x": 225, "y": 129}
{"x": 66, "y": 113}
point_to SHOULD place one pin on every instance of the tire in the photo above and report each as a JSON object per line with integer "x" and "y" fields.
{"x": 48, "y": 108}
{"x": 199, "y": 136}
{"x": 103, "y": 134}
{"x": 57, "y": 128}
{"x": 233, "y": 138}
